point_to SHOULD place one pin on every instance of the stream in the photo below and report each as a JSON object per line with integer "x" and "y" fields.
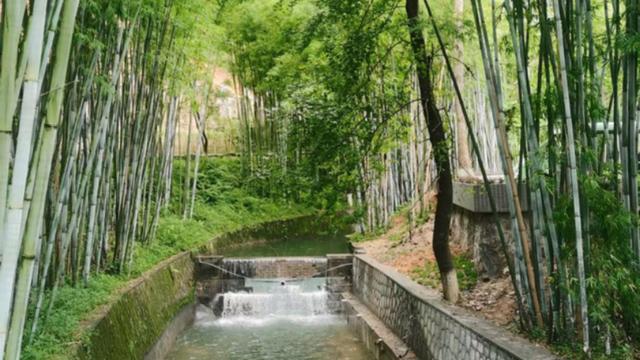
{"x": 277, "y": 320}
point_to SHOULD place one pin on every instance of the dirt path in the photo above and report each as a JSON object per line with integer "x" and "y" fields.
{"x": 412, "y": 254}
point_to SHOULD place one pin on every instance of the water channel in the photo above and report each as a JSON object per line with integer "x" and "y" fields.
{"x": 276, "y": 320}
{"x": 305, "y": 236}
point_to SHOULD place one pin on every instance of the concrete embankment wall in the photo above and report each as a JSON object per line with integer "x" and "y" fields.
{"x": 429, "y": 326}
{"x": 130, "y": 326}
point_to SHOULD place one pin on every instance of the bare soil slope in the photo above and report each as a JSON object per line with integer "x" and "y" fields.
{"x": 410, "y": 252}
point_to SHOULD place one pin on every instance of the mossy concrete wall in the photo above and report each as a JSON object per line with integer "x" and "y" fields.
{"x": 130, "y": 326}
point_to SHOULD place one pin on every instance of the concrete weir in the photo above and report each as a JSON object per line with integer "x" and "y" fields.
{"x": 276, "y": 267}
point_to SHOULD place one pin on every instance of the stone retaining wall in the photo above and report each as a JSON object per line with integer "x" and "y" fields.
{"x": 476, "y": 233}
{"x": 473, "y": 196}
{"x": 429, "y": 326}
{"x": 473, "y": 226}
{"x": 130, "y": 326}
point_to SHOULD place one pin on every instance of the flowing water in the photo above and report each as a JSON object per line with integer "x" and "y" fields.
{"x": 293, "y": 320}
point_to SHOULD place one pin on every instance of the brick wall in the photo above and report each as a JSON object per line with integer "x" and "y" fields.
{"x": 429, "y": 326}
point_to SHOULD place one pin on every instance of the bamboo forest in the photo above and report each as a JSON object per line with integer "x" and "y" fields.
{"x": 319, "y": 179}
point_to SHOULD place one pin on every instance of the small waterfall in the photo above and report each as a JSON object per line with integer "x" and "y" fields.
{"x": 271, "y": 320}
{"x": 281, "y": 304}
{"x": 275, "y": 300}
{"x": 276, "y": 267}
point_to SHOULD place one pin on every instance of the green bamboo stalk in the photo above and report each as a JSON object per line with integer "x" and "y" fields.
{"x": 187, "y": 174}
{"x": 58, "y": 213}
{"x": 540, "y": 195}
{"x": 200, "y": 120}
{"x": 573, "y": 175}
{"x": 494, "y": 84}
{"x": 95, "y": 189}
{"x": 16, "y": 206}
{"x": 521, "y": 236}
{"x": 79, "y": 199}
{"x": 106, "y": 197}
{"x": 68, "y": 169}
{"x": 52, "y": 120}
{"x": 171, "y": 146}
{"x": 631, "y": 60}
{"x": 52, "y": 30}
{"x": 13, "y": 13}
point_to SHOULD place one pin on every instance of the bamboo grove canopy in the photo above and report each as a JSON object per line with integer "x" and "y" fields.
{"x": 360, "y": 107}
{"x": 88, "y": 99}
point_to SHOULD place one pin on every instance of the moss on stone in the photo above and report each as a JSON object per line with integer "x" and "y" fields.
{"x": 138, "y": 318}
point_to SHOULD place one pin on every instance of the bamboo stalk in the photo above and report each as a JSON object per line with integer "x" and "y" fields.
{"x": 16, "y": 205}
{"x": 522, "y": 238}
{"x": 52, "y": 120}
{"x": 12, "y": 27}
{"x": 573, "y": 176}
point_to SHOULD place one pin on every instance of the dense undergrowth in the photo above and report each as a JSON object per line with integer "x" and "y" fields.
{"x": 222, "y": 204}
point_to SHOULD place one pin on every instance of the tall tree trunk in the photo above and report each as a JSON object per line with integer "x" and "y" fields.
{"x": 438, "y": 140}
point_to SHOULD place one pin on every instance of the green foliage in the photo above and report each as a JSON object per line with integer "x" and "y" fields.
{"x": 429, "y": 275}
{"x": 621, "y": 352}
{"x": 613, "y": 272}
{"x": 369, "y": 235}
{"x": 341, "y": 74}
{"x": 223, "y": 203}
{"x": 73, "y": 304}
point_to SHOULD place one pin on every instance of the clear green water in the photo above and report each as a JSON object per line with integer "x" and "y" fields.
{"x": 325, "y": 338}
{"x": 308, "y": 236}
{"x": 292, "y": 247}
{"x": 275, "y": 322}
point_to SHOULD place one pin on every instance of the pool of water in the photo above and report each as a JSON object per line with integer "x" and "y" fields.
{"x": 306, "y": 236}
{"x": 291, "y": 247}
{"x": 275, "y": 321}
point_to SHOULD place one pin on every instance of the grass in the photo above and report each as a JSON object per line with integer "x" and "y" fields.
{"x": 396, "y": 233}
{"x": 222, "y": 205}
{"x": 574, "y": 352}
{"x": 367, "y": 236}
{"x": 429, "y": 275}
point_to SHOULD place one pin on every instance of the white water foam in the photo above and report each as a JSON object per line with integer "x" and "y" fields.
{"x": 274, "y": 302}
{"x": 278, "y": 322}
